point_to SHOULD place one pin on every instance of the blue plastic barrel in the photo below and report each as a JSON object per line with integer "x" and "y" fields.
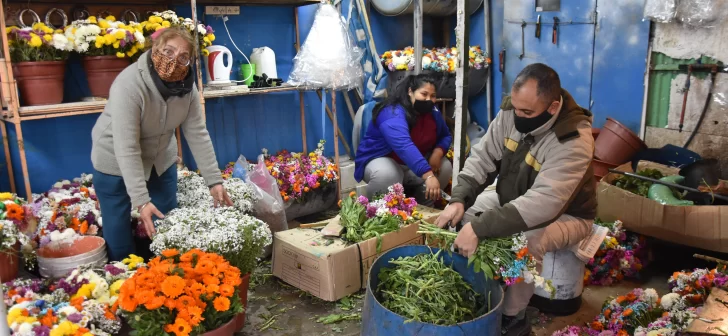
{"x": 380, "y": 321}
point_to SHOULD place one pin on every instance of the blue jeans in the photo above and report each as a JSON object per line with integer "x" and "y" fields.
{"x": 116, "y": 210}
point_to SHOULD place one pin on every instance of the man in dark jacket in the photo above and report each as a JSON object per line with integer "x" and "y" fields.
{"x": 540, "y": 148}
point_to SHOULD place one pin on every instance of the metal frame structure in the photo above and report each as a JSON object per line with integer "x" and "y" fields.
{"x": 15, "y": 114}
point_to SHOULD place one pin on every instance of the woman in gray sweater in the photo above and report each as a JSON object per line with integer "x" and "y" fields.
{"x": 134, "y": 144}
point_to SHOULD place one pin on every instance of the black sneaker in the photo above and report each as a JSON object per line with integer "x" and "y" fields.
{"x": 513, "y": 326}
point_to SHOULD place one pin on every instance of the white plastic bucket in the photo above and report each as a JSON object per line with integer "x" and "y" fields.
{"x": 264, "y": 59}
{"x": 566, "y": 273}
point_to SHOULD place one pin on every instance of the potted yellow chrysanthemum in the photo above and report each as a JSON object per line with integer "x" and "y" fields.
{"x": 160, "y": 20}
{"x": 107, "y": 46}
{"x": 39, "y": 56}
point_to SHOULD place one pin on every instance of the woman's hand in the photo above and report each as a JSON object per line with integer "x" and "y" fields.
{"x": 436, "y": 160}
{"x": 146, "y": 212}
{"x": 432, "y": 185}
{"x": 220, "y": 196}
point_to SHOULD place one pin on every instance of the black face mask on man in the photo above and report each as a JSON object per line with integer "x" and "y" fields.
{"x": 528, "y": 125}
{"x": 423, "y": 106}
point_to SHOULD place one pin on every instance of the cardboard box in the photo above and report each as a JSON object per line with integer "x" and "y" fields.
{"x": 329, "y": 268}
{"x": 702, "y": 226}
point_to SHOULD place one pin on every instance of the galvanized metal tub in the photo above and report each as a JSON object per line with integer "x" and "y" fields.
{"x": 56, "y": 261}
{"x": 380, "y": 321}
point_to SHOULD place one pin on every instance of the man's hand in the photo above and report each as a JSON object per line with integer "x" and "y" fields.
{"x": 145, "y": 216}
{"x": 220, "y": 196}
{"x": 452, "y": 214}
{"x": 466, "y": 241}
{"x": 436, "y": 161}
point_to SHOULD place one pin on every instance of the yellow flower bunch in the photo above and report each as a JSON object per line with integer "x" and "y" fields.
{"x": 103, "y": 37}
{"x": 37, "y": 43}
{"x": 168, "y": 18}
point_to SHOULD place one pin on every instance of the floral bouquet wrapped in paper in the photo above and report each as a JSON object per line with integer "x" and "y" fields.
{"x": 298, "y": 174}
{"x": 182, "y": 294}
{"x": 69, "y": 209}
{"x": 37, "y": 43}
{"x": 106, "y": 37}
{"x": 620, "y": 255}
{"x": 238, "y": 237}
{"x": 160, "y": 20}
{"x": 365, "y": 219}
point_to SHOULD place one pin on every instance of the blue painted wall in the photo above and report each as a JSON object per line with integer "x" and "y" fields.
{"x": 60, "y": 148}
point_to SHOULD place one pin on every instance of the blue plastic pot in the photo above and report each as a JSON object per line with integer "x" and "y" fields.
{"x": 379, "y": 321}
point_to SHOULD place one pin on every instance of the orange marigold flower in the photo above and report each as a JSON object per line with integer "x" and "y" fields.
{"x": 170, "y": 253}
{"x": 14, "y": 211}
{"x": 84, "y": 228}
{"x": 620, "y": 299}
{"x": 155, "y": 303}
{"x": 195, "y": 315}
{"x": 127, "y": 301}
{"x": 204, "y": 266}
{"x": 622, "y": 333}
{"x": 227, "y": 290}
{"x": 170, "y": 303}
{"x": 181, "y": 327}
{"x": 144, "y": 296}
{"x": 210, "y": 280}
{"x": 195, "y": 289}
{"x": 212, "y": 289}
{"x": 48, "y": 319}
{"x": 627, "y": 312}
{"x": 596, "y": 325}
{"x": 184, "y": 301}
{"x": 221, "y": 304}
{"x": 77, "y": 303}
{"x": 173, "y": 286}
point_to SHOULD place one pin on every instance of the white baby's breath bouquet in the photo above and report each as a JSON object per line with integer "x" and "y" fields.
{"x": 238, "y": 237}
{"x": 192, "y": 192}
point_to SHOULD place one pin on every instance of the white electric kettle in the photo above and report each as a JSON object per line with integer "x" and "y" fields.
{"x": 218, "y": 66}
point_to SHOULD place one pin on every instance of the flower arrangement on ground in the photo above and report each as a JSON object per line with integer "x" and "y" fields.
{"x": 37, "y": 43}
{"x": 83, "y": 303}
{"x": 641, "y": 313}
{"x": 621, "y": 254}
{"x": 192, "y": 192}
{"x": 238, "y": 237}
{"x": 68, "y": 210}
{"x": 505, "y": 259}
{"x": 160, "y": 20}
{"x": 435, "y": 59}
{"x": 364, "y": 219}
{"x": 106, "y": 37}
{"x": 181, "y": 294}
{"x": 299, "y": 174}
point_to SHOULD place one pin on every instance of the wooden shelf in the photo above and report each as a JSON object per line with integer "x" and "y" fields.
{"x": 211, "y": 94}
{"x": 81, "y": 108}
{"x": 167, "y": 2}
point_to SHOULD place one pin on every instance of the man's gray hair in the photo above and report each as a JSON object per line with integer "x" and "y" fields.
{"x": 547, "y": 81}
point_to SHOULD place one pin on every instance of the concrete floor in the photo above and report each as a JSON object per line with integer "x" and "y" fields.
{"x": 277, "y": 309}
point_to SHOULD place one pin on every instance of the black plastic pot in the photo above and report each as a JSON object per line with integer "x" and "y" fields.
{"x": 477, "y": 80}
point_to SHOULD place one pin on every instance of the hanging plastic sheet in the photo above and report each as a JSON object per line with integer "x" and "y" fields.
{"x": 701, "y": 13}
{"x": 328, "y": 59}
{"x": 660, "y": 10}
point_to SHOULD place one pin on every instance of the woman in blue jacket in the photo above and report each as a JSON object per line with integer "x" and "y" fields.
{"x": 406, "y": 142}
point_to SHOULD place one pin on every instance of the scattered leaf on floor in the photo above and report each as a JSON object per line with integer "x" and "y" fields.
{"x": 336, "y": 318}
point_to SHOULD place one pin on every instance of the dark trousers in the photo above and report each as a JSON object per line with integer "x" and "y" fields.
{"x": 116, "y": 210}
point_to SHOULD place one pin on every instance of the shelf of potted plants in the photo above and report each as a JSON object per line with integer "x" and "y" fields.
{"x": 98, "y": 40}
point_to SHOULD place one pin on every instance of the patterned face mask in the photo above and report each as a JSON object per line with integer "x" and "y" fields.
{"x": 169, "y": 69}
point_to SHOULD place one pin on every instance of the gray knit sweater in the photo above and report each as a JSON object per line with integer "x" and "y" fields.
{"x": 136, "y": 132}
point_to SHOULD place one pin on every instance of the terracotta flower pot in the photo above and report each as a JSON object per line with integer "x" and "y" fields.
{"x": 40, "y": 83}
{"x": 227, "y": 329}
{"x": 243, "y": 294}
{"x": 9, "y": 265}
{"x": 617, "y": 143}
{"x": 101, "y": 71}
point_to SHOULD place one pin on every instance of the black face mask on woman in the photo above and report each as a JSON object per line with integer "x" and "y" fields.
{"x": 528, "y": 125}
{"x": 423, "y": 106}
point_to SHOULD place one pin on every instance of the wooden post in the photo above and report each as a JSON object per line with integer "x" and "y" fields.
{"x": 8, "y": 162}
{"x": 336, "y": 144}
{"x": 489, "y": 80}
{"x": 14, "y": 107}
{"x": 297, "y": 45}
{"x": 461, "y": 86}
{"x": 418, "y": 36}
{"x": 337, "y": 130}
{"x": 4, "y": 328}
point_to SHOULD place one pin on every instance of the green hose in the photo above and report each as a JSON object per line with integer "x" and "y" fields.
{"x": 663, "y": 194}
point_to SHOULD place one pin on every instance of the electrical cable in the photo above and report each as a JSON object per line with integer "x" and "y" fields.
{"x": 702, "y": 114}
{"x": 224, "y": 20}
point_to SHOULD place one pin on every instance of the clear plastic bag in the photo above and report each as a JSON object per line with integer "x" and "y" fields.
{"x": 269, "y": 206}
{"x": 328, "y": 59}
{"x": 660, "y": 10}
{"x": 701, "y": 13}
